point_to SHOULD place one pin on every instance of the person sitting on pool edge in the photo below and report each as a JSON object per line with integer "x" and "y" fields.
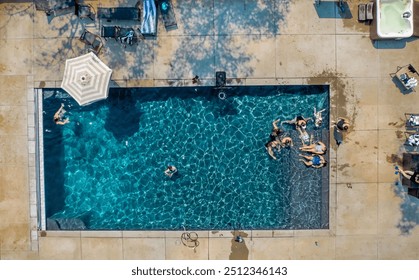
{"x": 59, "y": 116}
{"x": 271, "y": 145}
{"x": 342, "y": 124}
{"x": 318, "y": 148}
{"x": 276, "y": 131}
{"x": 170, "y": 171}
{"x": 413, "y": 176}
{"x": 316, "y": 161}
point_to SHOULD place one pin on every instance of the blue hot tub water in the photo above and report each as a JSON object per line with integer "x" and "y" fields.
{"x": 106, "y": 167}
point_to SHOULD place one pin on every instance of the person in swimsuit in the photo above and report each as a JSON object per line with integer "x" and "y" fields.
{"x": 342, "y": 124}
{"x": 59, "y": 116}
{"x": 276, "y": 131}
{"x": 170, "y": 171}
{"x": 316, "y": 161}
{"x": 318, "y": 148}
{"x": 413, "y": 176}
{"x": 271, "y": 145}
{"x": 300, "y": 125}
{"x": 318, "y": 120}
{"x": 286, "y": 142}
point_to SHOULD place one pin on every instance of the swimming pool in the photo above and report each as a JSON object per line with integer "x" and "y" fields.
{"x": 105, "y": 168}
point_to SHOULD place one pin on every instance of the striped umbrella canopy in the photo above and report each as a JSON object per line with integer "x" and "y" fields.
{"x": 86, "y": 78}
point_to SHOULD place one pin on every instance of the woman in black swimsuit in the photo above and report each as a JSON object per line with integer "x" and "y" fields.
{"x": 413, "y": 176}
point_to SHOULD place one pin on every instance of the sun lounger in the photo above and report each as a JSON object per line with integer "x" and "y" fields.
{"x": 370, "y": 11}
{"x": 119, "y": 13}
{"x": 412, "y": 121}
{"x": 149, "y": 19}
{"x": 168, "y": 14}
{"x": 108, "y": 31}
{"x": 407, "y": 76}
{"x": 362, "y": 16}
{"x": 94, "y": 42}
{"x": 412, "y": 138}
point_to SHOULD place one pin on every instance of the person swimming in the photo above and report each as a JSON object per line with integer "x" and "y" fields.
{"x": 59, "y": 116}
{"x": 170, "y": 171}
{"x": 300, "y": 125}
{"x": 271, "y": 146}
{"x": 276, "y": 131}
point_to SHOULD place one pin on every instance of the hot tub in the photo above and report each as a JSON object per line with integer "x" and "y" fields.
{"x": 394, "y": 18}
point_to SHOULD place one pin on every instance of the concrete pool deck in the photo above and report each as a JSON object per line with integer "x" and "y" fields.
{"x": 268, "y": 43}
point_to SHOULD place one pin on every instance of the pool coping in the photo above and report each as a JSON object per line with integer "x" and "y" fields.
{"x": 38, "y": 225}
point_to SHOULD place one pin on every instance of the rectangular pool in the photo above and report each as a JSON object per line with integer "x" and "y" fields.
{"x": 104, "y": 170}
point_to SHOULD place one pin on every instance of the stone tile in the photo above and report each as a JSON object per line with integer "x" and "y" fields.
{"x": 12, "y": 97}
{"x": 356, "y": 247}
{"x": 133, "y": 62}
{"x": 15, "y": 237}
{"x": 13, "y": 183}
{"x": 175, "y": 250}
{"x": 16, "y": 58}
{"x": 14, "y": 210}
{"x": 299, "y": 18}
{"x": 104, "y": 234}
{"x": 357, "y": 209}
{"x": 396, "y": 53}
{"x": 273, "y": 249}
{"x": 19, "y": 255}
{"x": 357, "y": 157}
{"x": 359, "y": 103}
{"x": 106, "y": 248}
{"x": 398, "y": 247}
{"x": 314, "y": 247}
{"x": 304, "y": 55}
{"x": 389, "y": 154}
{"x": 66, "y": 25}
{"x": 50, "y": 56}
{"x": 222, "y": 249}
{"x": 17, "y": 24}
{"x": 144, "y": 249}
{"x": 143, "y": 234}
{"x": 348, "y": 23}
{"x": 184, "y": 57}
{"x": 13, "y": 120}
{"x": 355, "y": 57}
{"x": 246, "y": 17}
{"x": 196, "y": 21}
{"x": 12, "y": 82}
{"x": 14, "y": 150}
{"x": 59, "y": 248}
{"x": 392, "y": 106}
{"x": 231, "y": 56}
{"x": 389, "y": 209}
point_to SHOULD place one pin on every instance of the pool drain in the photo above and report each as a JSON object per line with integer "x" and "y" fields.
{"x": 190, "y": 240}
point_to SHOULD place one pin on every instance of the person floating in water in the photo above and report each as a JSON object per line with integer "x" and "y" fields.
{"x": 300, "y": 125}
{"x": 318, "y": 148}
{"x": 318, "y": 120}
{"x": 59, "y": 116}
{"x": 286, "y": 142}
{"x": 271, "y": 146}
{"x": 316, "y": 161}
{"x": 170, "y": 171}
{"x": 276, "y": 131}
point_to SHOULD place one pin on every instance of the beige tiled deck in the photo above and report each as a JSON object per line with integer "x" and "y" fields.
{"x": 264, "y": 42}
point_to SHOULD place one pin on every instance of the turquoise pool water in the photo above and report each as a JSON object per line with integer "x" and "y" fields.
{"x": 106, "y": 167}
